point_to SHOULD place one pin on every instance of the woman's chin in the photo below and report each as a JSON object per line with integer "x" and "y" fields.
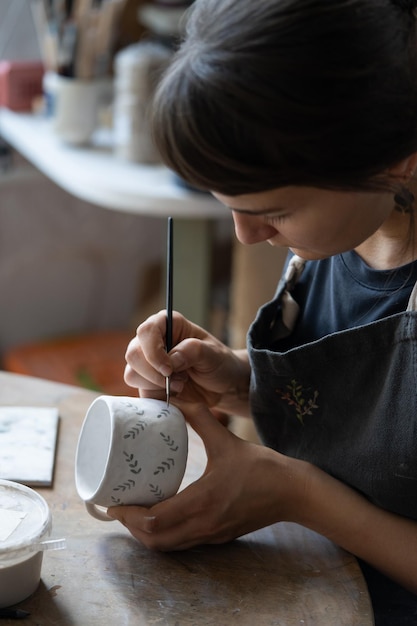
{"x": 308, "y": 255}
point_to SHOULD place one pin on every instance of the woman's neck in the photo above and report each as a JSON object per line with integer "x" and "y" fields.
{"x": 394, "y": 244}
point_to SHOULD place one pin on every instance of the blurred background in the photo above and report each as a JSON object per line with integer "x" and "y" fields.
{"x": 77, "y": 278}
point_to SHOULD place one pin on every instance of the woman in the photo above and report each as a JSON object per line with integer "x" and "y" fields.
{"x": 301, "y": 117}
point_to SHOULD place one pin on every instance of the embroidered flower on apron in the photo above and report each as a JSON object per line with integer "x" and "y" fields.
{"x": 296, "y": 396}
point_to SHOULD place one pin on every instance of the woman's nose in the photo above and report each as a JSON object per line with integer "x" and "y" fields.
{"x": 252, "y": 229}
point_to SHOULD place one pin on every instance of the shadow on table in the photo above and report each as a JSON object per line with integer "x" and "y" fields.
{"x": 244, "y": 582}
{"x": 43, "y": 609}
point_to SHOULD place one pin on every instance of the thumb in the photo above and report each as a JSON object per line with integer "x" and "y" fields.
{"x": 205, "y": 424}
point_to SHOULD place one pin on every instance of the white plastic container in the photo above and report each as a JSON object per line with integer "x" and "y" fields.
{"x": 25, "y": 525}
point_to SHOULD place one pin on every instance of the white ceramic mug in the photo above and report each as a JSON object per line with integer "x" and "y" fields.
{"x": 75, "y": 107}
{"x": 130, "y": 451}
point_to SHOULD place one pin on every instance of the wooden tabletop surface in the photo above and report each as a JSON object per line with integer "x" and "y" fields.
{"x": 283, "y": 575}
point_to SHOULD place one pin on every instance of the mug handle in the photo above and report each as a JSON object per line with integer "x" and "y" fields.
{"x": 98, "y": 512}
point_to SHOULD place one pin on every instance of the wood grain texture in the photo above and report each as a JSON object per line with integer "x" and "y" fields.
{"x": 283, "y": 575}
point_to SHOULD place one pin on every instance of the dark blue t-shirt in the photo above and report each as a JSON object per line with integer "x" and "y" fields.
{"x": 344, "y": 292}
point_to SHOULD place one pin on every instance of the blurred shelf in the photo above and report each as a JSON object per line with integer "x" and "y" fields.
{"x": 93, "y": 173}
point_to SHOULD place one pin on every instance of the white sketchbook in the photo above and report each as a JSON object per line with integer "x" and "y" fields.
{"x": 28, "y": 440}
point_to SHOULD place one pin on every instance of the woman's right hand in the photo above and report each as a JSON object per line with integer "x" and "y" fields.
{"x": 201, "y": 367}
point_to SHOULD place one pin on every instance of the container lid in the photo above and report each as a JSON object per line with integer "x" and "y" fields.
{"x": 25, "y": 520}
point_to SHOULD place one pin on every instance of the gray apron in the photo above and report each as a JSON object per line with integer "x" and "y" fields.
{"x": 346, "y": 403}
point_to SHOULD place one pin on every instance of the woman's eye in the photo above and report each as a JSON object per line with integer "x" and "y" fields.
{"x": 277, "y": 219}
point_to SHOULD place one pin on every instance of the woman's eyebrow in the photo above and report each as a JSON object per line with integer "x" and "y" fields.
{"x": 264, "y": 211}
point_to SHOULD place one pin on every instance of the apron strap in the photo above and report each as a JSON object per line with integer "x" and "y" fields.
{"x": 412, "y": 303}
{"x": 289, "y": 306}
{"x": 294, "y": 271}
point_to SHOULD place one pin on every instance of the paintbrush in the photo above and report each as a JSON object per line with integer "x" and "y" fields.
{"x": 169, "y": 296}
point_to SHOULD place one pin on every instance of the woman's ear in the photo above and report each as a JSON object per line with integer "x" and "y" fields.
{"x": 405, "y": 169}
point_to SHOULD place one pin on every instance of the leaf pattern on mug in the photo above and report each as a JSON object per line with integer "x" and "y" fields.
{"x": 135, "y": 430}
{"x": 163, "y": 413}
{"x": 134, "y": 408}
{"x": 164, "y": 466}
{"x": 156, "y": 491}
{"x": 126, "y": 485}
{"x": 170, "y": 442}
{"x": 132, "y": 462}
{"x": 117, "y": 501}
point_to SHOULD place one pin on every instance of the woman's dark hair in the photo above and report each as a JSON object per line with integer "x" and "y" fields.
{"x": 268, "y": 93}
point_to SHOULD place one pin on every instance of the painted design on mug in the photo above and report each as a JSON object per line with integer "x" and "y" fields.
{"x": 117, "y": 501}
{"x": 164, "y": 466}
{"x": 133, "y": 432}
{"x": 170, "y": 442}
{"x": 163, "y": 413}
{"x": 156, "y": 491}
{"x": 129, "y": 484}
{"x": 130, "y": 405}
{"x": 132, "y": 462}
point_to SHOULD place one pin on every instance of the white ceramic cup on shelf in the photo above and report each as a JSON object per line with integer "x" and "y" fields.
{"x": 75, "y": 105}
{"x": 130, "y": 451}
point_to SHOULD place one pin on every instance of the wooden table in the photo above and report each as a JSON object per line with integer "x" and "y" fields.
{"x": 283, "y": 575}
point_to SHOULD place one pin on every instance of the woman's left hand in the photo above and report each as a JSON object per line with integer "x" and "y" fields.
{"x": 247, "y": 486}
{"x": 244, "y": 487}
